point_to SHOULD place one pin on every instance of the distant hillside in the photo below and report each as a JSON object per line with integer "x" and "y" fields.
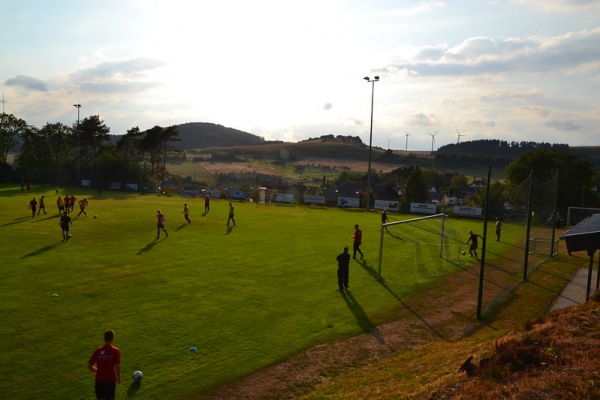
{"x": 499, "y": 153}
{"x": 197, "y": 135}
{"x": 589, "y": 153}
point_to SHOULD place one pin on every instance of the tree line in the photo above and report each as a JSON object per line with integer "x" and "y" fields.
{"x": 60, "y": 154}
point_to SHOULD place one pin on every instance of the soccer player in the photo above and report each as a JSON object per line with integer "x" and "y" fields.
{"x": 60, "y": 203}
{"x": 186, "y": 213}
{"x": 33, "y": 207}
{"x": 42, "y": 206}
{"x": 64, "y": 222}
{"x": 474, "y": 243}
{"x": 72, "y": 200}
{"x": 160, "y": 224}
{"x": 498, "y": 228}
{"x": 343, "y": 271}
{"x": 384, "y": 218}
{"x": 82, "y": 205}
{"x": 357, "y": 241}
{"x": 105, "y": 362}
{"x": 206, "y": 204}
{"x": 230, "y": 218}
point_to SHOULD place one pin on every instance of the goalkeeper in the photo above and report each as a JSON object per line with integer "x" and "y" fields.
{"x": 474, "y": 243}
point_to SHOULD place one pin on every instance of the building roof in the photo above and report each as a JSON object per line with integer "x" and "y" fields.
{"x": 585, "y": 236}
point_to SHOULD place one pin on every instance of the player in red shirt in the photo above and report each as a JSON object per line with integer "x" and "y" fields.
{"x": 72, "y": 200}
{"x": 67, "y": 201}
{"x": 105, "y": 362}
{"x": 357, "y": 241}
{"x": 160, "y": 224}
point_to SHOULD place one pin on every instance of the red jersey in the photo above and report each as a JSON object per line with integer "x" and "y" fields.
{"x": 357, "y": 236}
{"x": 160, "y": 219}
{"x": 105, "y": 358}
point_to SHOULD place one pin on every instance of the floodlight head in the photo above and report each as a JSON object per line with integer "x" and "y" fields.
{"x": 376, "y": 78}
{"x": 77, "y": 105}
{"x": 366, "y": 78}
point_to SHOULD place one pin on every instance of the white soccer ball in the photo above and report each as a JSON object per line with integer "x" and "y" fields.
{"x": 464, "y": 253}
{"x": 137, "y": 376}
{"x": 69, "y": 236}
{"x": 95, "y": 216}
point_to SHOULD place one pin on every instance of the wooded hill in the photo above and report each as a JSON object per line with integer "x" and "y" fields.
{"x": 228, "y": 143}
{"x": 196, "y": 135}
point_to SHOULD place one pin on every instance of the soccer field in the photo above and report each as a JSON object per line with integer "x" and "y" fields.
{"x": 245, "y": 297}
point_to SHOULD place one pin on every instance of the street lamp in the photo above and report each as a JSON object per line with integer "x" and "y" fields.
{"x": 372, "y": 81}
{"x": 78, "y": 106}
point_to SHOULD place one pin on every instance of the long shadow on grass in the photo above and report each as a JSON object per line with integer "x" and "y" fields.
{"x": 17, "y": 221}
{"x": 148, "y": 247}
{"x": 228, "y": 229}
{"x": 42, "y": 250}
{"x": 371, "y": 271}
{"x": 181, "y": 227}
{"x": 361, "y": 317}
{"x": 368, "y": 269}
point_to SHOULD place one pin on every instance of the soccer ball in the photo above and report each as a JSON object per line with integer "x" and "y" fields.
{"x": 95, "y": 216}
{"x": 137, "y": 376}
{"x": 464, "y": 253}
{"x": 69, "y": 236}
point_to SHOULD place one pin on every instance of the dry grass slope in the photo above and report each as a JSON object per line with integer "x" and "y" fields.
{"x": 556, "y": 357}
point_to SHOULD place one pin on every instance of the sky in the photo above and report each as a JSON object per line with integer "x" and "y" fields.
{"x": 449, "y": 71}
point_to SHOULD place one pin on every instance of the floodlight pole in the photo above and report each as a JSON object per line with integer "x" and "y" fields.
{"x": 78, "y": 106}
{"x": 372, "y": 81}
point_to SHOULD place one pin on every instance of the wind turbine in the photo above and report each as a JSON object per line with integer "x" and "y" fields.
{"x": 459, "y": 135}
{"x": 406, "y": 145}
{"x": 433, "y": 139}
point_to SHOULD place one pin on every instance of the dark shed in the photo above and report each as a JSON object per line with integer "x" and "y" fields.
{"x": 585, "y": 236}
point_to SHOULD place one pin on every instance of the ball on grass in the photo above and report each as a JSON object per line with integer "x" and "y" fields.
{"x": 464, "y": 253}
{"x": 95, "y": 216}
{"x": 137, "y": 376}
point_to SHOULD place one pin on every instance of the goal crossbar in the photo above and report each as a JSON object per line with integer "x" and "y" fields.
{"x": 384, "y": 226}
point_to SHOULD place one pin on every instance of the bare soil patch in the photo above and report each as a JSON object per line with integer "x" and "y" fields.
{"x": 269, "y": 169}
{"x": 352, "y": 165}
{"x": 237, "y": 167}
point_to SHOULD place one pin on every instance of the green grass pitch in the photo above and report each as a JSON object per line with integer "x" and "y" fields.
{"x": 245, "y": 297}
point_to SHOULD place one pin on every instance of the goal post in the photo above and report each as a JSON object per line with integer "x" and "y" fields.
{"x": 412, "y": 241}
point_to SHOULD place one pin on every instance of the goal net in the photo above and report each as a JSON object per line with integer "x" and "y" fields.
{"x": 577, "y": 214}
{"x": 539, "y": 198}
{"x": 417, "y": 250}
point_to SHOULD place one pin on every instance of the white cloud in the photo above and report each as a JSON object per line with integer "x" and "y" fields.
{"x": 116, "y": 76}
{"x": 484, "y": 55}
{"x": 421, "y": 120}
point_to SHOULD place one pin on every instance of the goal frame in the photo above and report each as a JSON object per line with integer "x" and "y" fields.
{"x": 441, "y": 216}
